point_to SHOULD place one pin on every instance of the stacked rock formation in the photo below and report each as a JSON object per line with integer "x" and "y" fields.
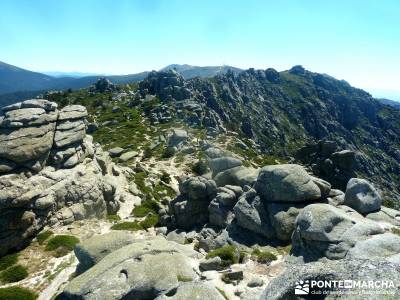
{"x": 50, "y": 171}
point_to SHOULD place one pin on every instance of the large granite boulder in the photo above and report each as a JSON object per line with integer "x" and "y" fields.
{"x": 282, "y": 217}
{"x": 251, "y": 214}
{"x": 329, "y": 163}
{"x": 290, "y": 183}
{"x": 143, "y": 270}
{"x": 177, "y": 137}
{"x": 240, "y": 176}
{"x": 385, "y": 215}
{"x": 223, "y": 163}
{"x": 380, "y": 247}
{"x": 26, "y": 134}
{"x": 190, "y": 208}
{"x": 193, "y": 290}
{"x": 349, "y": 270}
{"x": 322, "y": 230}
{"x": 220, "y": 208}
{"x": 91, "y": 251}
{"x": 362, "y": 196}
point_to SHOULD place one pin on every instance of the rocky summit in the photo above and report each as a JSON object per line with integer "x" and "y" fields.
{"x": 245, "y": 185}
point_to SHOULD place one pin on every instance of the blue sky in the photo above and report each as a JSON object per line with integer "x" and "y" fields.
{"x": 358, "y": 41}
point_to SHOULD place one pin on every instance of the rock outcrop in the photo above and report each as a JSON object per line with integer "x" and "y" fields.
{"x": 322, "y": 230}
{"x": 51, "y": 171}
{"x": 145, "y": 269}
{"x": 362, "y": 196}
{"x": 190, "y": 208}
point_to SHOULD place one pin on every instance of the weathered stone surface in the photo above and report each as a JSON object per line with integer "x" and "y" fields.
{"x": 289, "y": 183}
{"x": 93, "y": 250}
{"x": 28, "y": 117}
{"x": 210, "y": 264}
{"x": 223, "y": 163}
{"x": 282, "y": 217}
{"x": 24, "y": 144}
{"x": 251, "y": 214}
{"x": 379, "y": 247}
{"x": 117, "y": 151}
{"x": 322, "y": 230}
{"x": 84, "y": 188}
{"x": 385, "y": 215}
{"x": 362, "y": 196}
{"x": 32, "y": 103}
{"x": 72, "y": 112}
{"x": 142, "y": 270}
{"x": 128, "y": 156}
{"x": 193, "y": 290}
{"x": 69, "y": 132}
{"x": 283, "y": 286}
{"x": 177, "y": 137}
{"x": 239, "y": 176}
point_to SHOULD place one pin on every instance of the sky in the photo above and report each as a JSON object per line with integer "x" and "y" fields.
{"x": 355, "y": 40}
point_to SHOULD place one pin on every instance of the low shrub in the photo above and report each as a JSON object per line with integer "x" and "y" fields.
{"x": 131, "y": 226}
{"x": 13, "y": 274}
{"x": 16, "y": 293}
{"x": 228, "y": 254}
{"x": 66, "y": 241}
{"x": 200, "y": 167}
{"x": 147, "y": 206}
{"x": 43, "y": 236}
{"x": 113, "y": 218}
{"x": 8, "y": 261}
{"x": 150, "y": 221}
{"x": 263, "y": 256}
{"x": 168, "y": 152}
{"x": 182, "y": 278}
{"x": 165, "y": 177}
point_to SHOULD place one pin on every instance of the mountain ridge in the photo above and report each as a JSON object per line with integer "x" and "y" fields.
{"x": 14, "y": 79}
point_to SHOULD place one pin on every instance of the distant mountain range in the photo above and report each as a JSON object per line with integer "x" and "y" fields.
{"x": 395, "y": 104}
{"x": 17, "y": 83}
{"x": 14, "y": 79}
{"x": 71, "y": 74}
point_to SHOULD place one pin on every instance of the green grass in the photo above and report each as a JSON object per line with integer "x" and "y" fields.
{"x": 62, "y": 241}
{"x": 147, "y": 206}
{"x": 228, "y": 254}
{"x": 182, "y": 278}
{"x": 43, "y": 236}
{"x": 113, "y": 218}
{"x": 150, "y": 221}
{"x": 285, "y": 249}
{"x": 8, "y": 261}
{"x": 13, "y": 274}
{"x": 131, "y": 226}
{"x": 16, "y": 293}
{"x": 263, "y": 256}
